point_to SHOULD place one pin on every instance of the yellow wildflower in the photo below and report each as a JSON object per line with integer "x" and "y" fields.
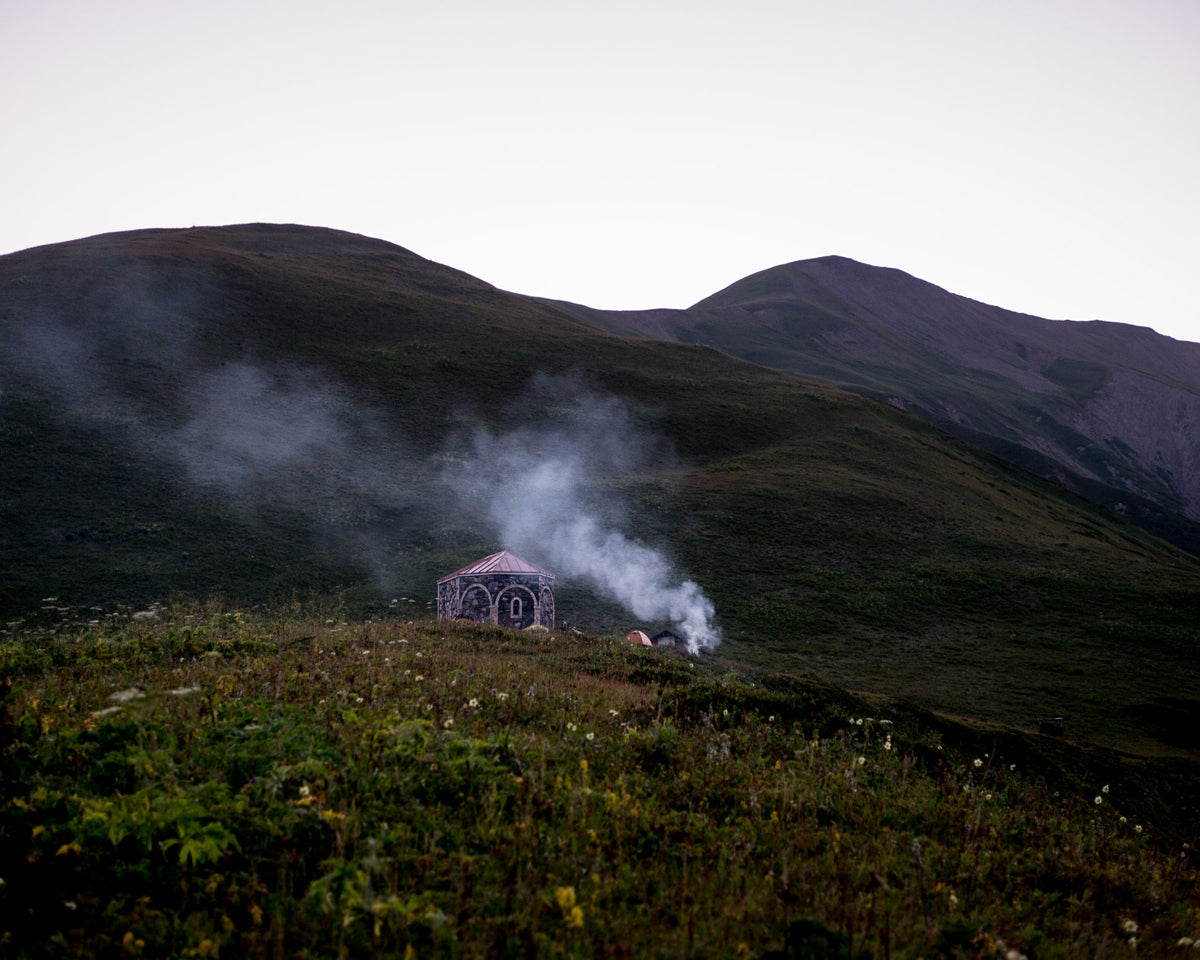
{"x": 575, "y": 917}
{"x": 565, "y": 897}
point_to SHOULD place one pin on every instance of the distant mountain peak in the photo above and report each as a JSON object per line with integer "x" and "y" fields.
{"x": 1106, "y": 409}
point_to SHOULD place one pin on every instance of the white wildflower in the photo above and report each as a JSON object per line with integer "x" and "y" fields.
{"x": 978, "y": 763}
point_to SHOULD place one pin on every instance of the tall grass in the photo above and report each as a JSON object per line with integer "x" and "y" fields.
{"x": 206, "y": 783}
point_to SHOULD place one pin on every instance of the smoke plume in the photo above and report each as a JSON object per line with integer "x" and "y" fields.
{"x": 257, "y": 436}
{"x": 542, "y": 487}
{"x": 136, "y": 361}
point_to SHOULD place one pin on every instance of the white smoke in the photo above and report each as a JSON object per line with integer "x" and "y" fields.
{"x": 542, "y": 488}
{"x": 259, "y": 437}
{"x": 264, "y": 437}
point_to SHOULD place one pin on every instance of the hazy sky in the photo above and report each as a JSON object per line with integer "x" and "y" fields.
{"x": 1042, "y": 155}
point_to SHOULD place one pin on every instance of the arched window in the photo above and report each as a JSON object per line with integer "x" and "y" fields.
{"x": 516, "y": 607}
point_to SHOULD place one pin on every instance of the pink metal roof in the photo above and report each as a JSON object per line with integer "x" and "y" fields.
{"x": 502, "y": 562}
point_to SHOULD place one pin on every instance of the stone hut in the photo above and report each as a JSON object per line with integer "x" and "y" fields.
{"x": 503, "y": 589}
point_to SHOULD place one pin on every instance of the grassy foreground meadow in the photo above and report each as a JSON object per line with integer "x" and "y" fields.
{"x": 191, "y": 782}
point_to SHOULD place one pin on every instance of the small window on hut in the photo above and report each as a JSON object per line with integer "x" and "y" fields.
{"x": 516, "y": 606}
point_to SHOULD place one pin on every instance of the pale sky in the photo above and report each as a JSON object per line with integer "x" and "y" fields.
{"x": 1041, "y": 155}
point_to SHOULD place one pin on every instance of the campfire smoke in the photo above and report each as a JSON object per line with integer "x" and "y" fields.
{"x": 539, "y": 486}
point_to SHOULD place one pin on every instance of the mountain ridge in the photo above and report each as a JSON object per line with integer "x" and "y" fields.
{"x": 1106, "y": 409}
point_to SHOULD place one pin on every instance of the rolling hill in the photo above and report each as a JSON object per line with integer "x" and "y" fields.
{"x": 1105, "y": 409}
{"x": 269, "y": 412}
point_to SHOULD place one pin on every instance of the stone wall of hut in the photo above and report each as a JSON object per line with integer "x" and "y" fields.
{"x": 515, "y": 600}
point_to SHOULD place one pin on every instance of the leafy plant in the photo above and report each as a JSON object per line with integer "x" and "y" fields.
{"x": 440, "y": 790}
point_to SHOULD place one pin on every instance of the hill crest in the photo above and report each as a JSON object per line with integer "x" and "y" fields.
{"x": 1104, "y": 408}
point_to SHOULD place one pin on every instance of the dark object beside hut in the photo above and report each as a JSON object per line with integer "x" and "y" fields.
{"x": 1050, "y": 726}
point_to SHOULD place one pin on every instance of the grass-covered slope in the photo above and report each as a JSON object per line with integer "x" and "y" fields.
{"x": 1102, "y": 408}
{"x": 331, "y": 377}
{"x": 202, "y": 783}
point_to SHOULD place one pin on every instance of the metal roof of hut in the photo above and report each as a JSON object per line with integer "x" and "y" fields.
{"x": 502, "y": 562}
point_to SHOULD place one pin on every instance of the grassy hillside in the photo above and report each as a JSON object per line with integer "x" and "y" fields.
{"x": 201, "y": 782}
{"x": 1099, "y": 407}
{"x": 332, "y": 377}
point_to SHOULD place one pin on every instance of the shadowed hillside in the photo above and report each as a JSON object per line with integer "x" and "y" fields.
{"x": 266, "y": 410}
{"x": 1105, "y": 409}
